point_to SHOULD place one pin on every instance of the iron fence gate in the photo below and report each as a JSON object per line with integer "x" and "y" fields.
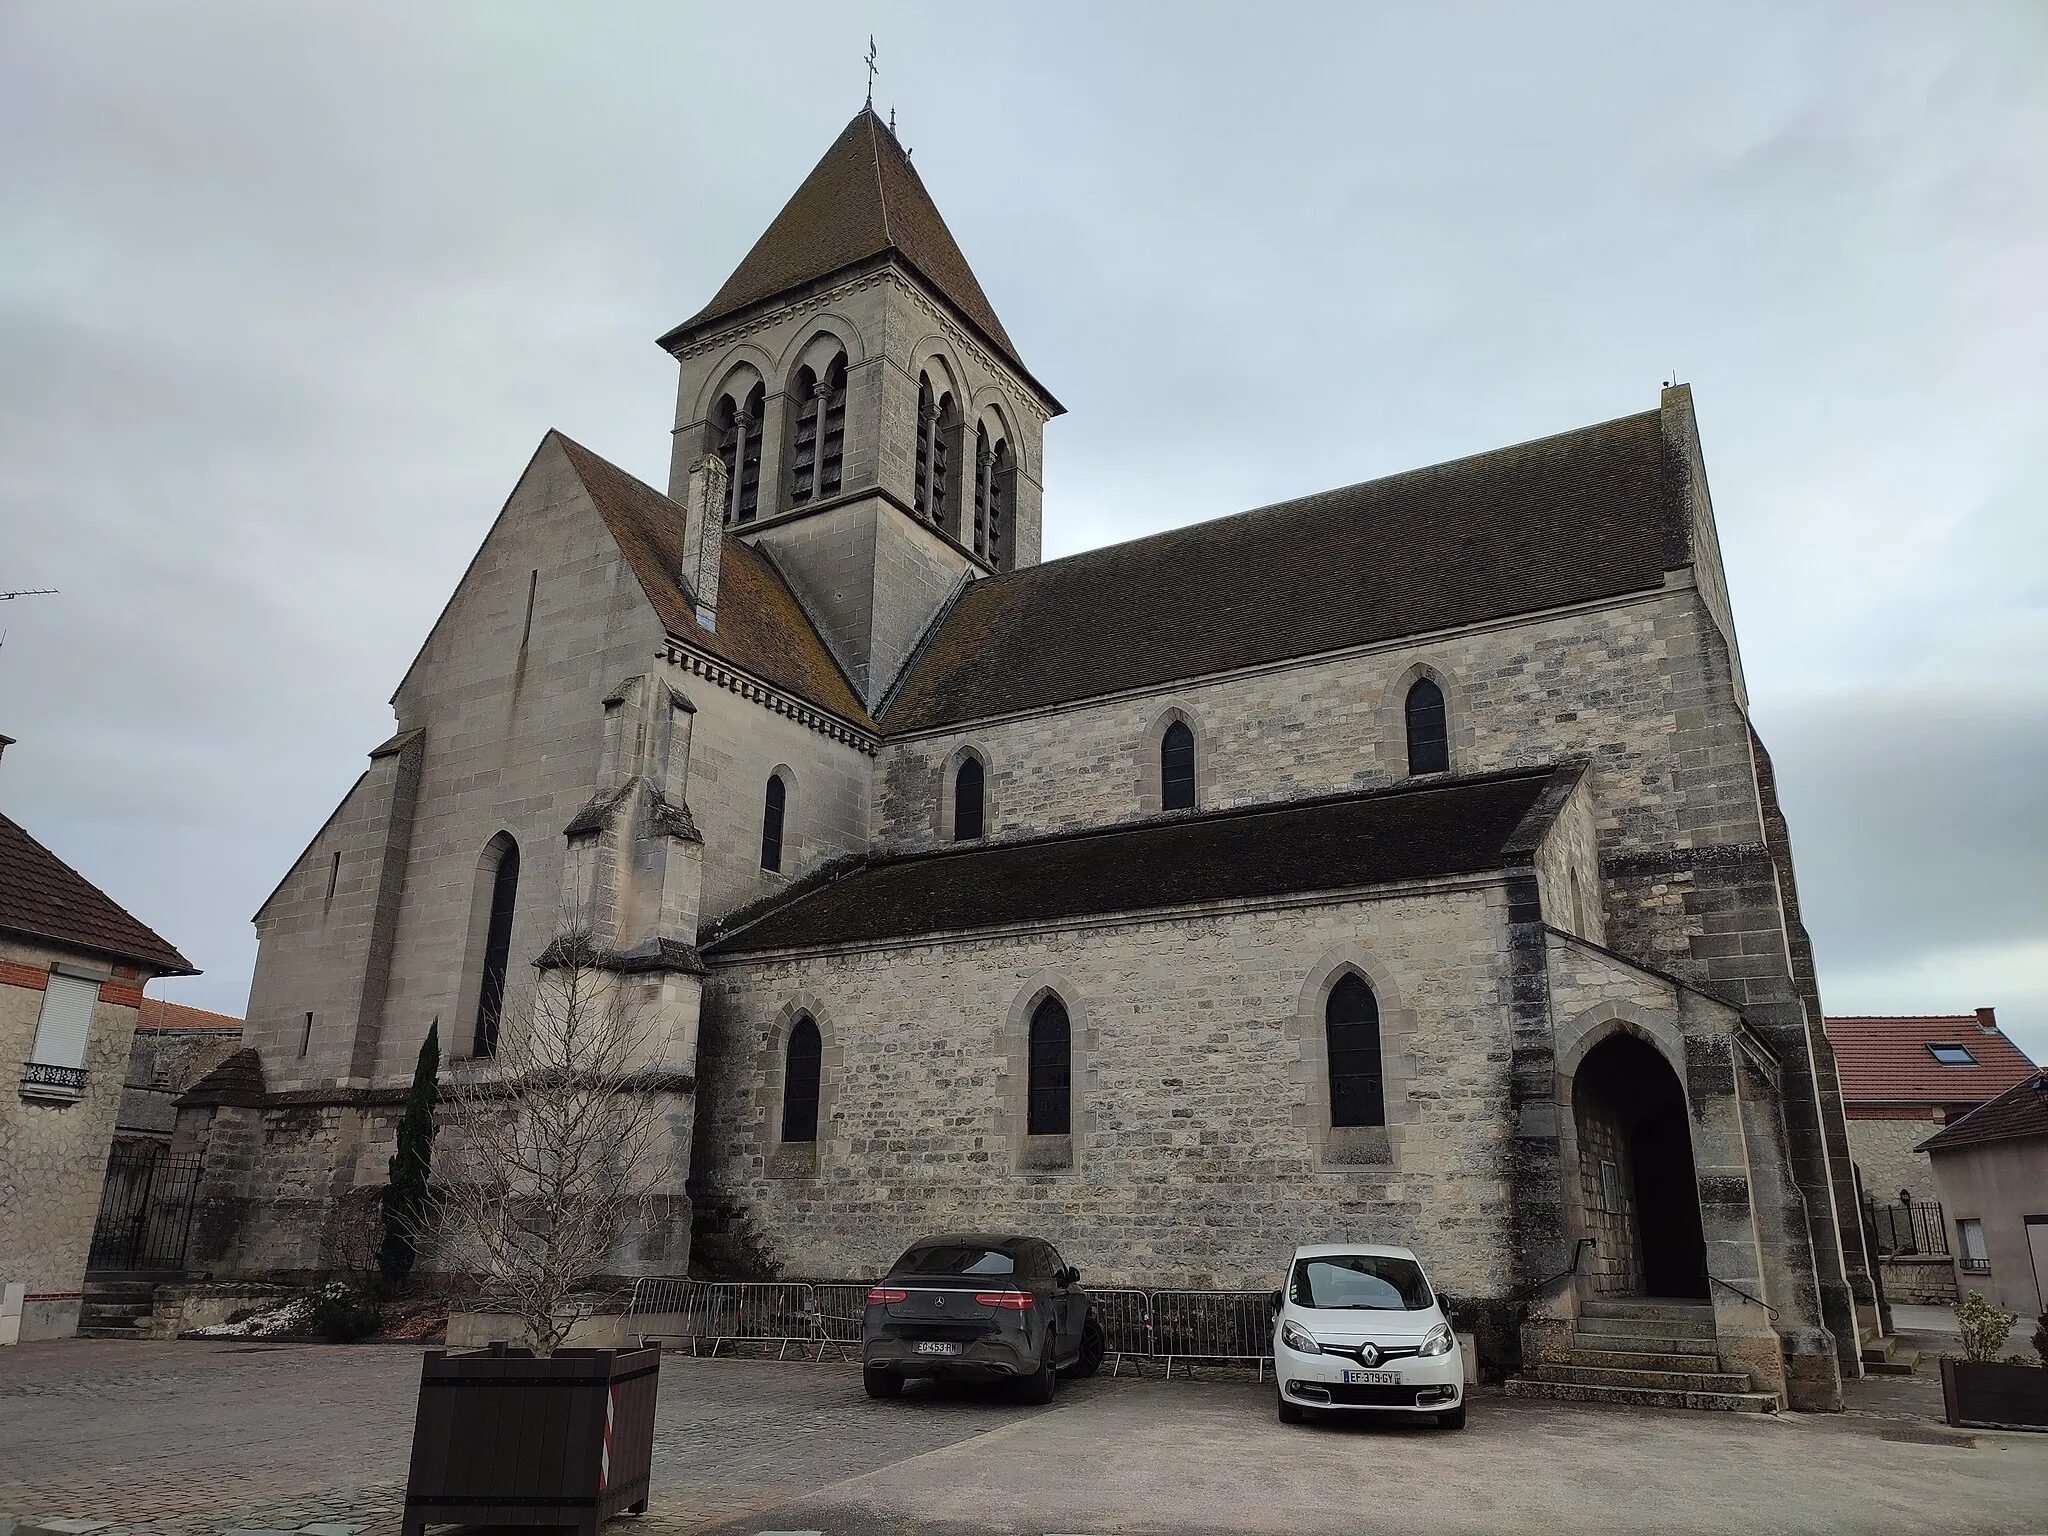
{"x": 1917, "y": 1228}
{"x": 145, "y": 1208}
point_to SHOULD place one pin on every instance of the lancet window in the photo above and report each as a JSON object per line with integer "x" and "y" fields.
{"x": 935, "y": 428}
{"x": 739, "y": 444}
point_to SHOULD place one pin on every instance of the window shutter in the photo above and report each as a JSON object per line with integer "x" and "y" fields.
{"x": 65, "y": 1022}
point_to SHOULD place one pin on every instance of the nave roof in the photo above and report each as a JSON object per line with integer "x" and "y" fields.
{"x": 1568, "y": 519}
{"x": 1412, "y": 832}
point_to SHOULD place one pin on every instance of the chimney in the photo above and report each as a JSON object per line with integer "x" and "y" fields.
{"x": 704, "y": 535}
{"x": 1987, "y": 1020}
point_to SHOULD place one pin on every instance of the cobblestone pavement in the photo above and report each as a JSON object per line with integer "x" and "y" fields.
{"x": 191, "y": 1439}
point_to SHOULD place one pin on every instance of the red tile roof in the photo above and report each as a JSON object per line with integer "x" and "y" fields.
{"x": 1887, "y": 1061}
{"x": 42, "y": 897}
{"x": 158, "y": 1014}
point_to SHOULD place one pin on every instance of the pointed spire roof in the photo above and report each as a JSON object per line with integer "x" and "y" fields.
{"x": 862, "y": 201}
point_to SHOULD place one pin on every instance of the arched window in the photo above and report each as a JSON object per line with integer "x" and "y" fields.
{"x": 1429, "y": 741}
{"x": 1177, "y": 768}
{"x": 771, "y": 822}
{"x": 1351, "y": 1025}
{"x": 739, "y": 444}
{"x": 991, "y": 481}
{"x": 490, "y": 998}
{"x": 999, "y": 489}
{"x": 819, "y": 443}
{"x": 800, "y": 1081}
{"x": 934, "y": 445}
{"x": 967, "y": 801}
{"x": 1049, "y": 1108}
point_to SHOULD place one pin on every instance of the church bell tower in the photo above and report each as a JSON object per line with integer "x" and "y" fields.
{"x": 882, "y": 438}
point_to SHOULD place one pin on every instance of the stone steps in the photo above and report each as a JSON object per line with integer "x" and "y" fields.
{"x": 1883, "y": 1357}
{"x": 1645, "y": 1352}
{"x": 1659, "y": 1327}
{"x": 1642, "y": 1397}
{"x": 116, "y": 1308}
{"x": 1713, "y": 1380}
{"x": 1630, "y": 1360}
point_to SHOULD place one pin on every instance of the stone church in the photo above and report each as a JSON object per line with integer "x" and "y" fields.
{"x": 1396, "y": 863}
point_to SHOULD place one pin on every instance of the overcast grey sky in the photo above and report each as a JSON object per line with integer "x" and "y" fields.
{"x": 288, "y": 294}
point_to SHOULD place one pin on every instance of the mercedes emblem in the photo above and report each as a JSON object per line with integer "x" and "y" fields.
{"x": 939, "y": 1302}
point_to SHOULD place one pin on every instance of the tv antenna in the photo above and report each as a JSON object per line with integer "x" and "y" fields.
{"x": 29, "y": 592}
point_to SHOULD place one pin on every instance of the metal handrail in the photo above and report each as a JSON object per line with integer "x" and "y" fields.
{"x": 1738, "y": 1290}
{"x": 1578, "y": 1252}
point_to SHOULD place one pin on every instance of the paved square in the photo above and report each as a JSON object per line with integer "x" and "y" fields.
{"x": 192, "y": 1439}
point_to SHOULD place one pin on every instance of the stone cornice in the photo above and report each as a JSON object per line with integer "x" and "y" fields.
{"x": 716, "y": 670}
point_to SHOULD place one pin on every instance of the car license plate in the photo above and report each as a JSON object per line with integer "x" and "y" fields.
{"x": 1372, "y": 1378}
{"x": 935, "y": 1347}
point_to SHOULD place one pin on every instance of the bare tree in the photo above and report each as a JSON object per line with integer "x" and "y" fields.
{"x": 559, "y": 1150}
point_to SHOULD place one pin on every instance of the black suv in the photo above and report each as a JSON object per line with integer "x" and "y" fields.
{"x": 969, "y": 1306}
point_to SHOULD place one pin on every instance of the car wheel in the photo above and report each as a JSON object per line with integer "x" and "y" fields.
{"x": 1455, "y": 1419}
{"x": 1089, "y": 1361}
{"x": 881, "y": 1383}
{"x": 1290, "y": 1413}
{"x": 1039, "y": 1385}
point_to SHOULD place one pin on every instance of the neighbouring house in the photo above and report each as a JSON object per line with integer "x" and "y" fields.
{"x": 73, "y": 964}
{"x": 1991, "y": 1168}
{"x": 1903, "y": 1076}
{"x": 175, "y": 1047}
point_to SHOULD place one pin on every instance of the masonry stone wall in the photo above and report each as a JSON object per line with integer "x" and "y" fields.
{"x": 163, "y": 1063}
{"x": 1197, "y": 1155}
{"x": 1883, "y": 1149}
{"x": 53, "y": 1156}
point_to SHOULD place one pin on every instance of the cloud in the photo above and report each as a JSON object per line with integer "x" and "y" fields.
{"x": 288, "y": 295}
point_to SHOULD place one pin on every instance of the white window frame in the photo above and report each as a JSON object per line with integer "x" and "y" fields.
{"x": 64, "y": 1027}
{"x": 1973, "y": 1255}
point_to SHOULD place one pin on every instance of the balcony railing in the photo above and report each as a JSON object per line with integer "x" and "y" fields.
{"x": 40, "y": 1080}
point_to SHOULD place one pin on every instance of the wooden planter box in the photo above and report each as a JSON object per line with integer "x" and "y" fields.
{"x": 501, "y": 1438}
{"x": 1989, "y": 1394}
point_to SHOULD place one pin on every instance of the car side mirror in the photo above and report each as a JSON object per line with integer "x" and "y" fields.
{"x": 1273, "y": 1301}
{"x": 1070, "y": 1276}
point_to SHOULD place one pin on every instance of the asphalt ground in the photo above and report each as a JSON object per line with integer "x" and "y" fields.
{"x": 191, "y": 1439}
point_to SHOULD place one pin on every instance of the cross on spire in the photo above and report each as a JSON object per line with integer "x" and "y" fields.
{"x": 871, "y": 71}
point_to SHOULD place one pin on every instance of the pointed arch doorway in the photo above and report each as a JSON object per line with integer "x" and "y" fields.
{"x": 1638, "y": 1187}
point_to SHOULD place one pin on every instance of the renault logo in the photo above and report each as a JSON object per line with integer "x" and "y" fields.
{"x": 1368, "y": 1354}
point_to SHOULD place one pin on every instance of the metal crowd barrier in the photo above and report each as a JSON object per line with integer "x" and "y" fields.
{"x": 1212, "y": 1327}
{"x": 1189, "y": 1327}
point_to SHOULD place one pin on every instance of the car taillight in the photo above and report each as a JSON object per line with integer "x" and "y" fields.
{"x": 883, "y": 1295}
{"x": 1012, "y": 1301}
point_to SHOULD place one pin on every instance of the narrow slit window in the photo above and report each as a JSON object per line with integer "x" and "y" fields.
{"x": 967, "y": 787}
{"x": 1050, "y": 1088}
{"x": 306, "y": 1035}
{"x": 1429, "y": 740}
{"x": 490, "y": 997}
{"x": 774, "y": 803}
{"x": 333, "y": 874}
{"x": 1177, "y": 768}
{"x": 802, "y": 1066}
{"x": 1351, "y": 1022}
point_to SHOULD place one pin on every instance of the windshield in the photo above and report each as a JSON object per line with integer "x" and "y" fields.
{"x": 955, "y": 1259}
{"x": 1367, "y": 1281}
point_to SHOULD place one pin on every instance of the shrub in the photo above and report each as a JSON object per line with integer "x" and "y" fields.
{"x": 340, "y": 1316}
{"x": 405, "y": 1198}
{"x": 2041, "y": 1337}
{"x": 1983, "y": 1327}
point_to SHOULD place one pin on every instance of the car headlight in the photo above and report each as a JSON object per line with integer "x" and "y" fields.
{"x": 1439, "y": 1341}
{"x": 1296, "y": 1338}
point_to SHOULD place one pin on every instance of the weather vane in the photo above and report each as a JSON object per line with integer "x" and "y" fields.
{"x": 871, "y": 72}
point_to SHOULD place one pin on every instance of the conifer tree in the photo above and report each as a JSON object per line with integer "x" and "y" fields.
{"x": 405, "y": 1197}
